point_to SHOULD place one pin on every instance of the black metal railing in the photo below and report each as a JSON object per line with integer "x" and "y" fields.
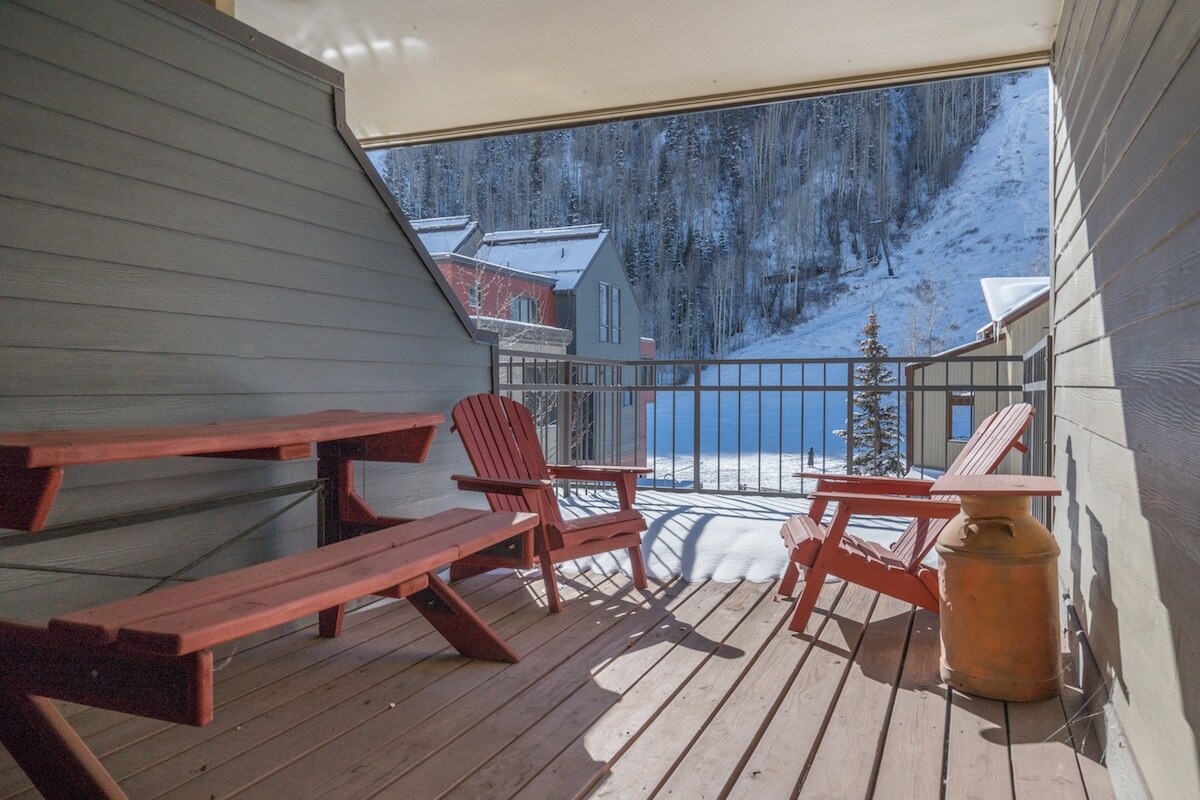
{"x": 744, "y": 426}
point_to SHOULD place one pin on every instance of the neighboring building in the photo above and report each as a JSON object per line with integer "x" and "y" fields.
{"x": 939, "y": 423}
{"x": 592, "y": 293}
{"x": 594, "y": 299}
{"x": 515, "y": 304}
{"x": 449, "y": 234}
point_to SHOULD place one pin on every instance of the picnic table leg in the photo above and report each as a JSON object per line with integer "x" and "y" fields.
{"x": 462, "y": 627}
{"x": 50, "y": 752}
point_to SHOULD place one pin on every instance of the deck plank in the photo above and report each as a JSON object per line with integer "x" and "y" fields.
{"x": 845, "y": 761}
{"x": 1087, "y": 743}
{"x": 977, "y": 763}
{"x": 384, "y": 753}
{"x": 571, "y": 711}
{"x": 321, "y": 736}
{"x": 914, "y": 750}
{"x": 1043, "y": 757}
{"x": 748, "y": 621}
{"x": 689, "y": 690}
{"x": 669, "y": 652}
{"x": 729, "y": 736}
{"x": 128, "y": 744}
{"x": 782, "y": 753}
{"x": 284, "y": 700}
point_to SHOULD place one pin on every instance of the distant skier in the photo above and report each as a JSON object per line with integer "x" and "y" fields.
{"x": 810, "y": 456}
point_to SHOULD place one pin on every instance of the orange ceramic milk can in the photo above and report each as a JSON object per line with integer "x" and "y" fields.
{"x": 998, "y": 575}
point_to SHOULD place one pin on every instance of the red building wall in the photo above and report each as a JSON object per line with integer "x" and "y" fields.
{"x": 496, "y": 290}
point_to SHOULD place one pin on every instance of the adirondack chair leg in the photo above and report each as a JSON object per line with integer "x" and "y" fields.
{"x": 551, "y": 581}
{"x": 462, "y": 627}
{"x": 639, "y": 568}
{"x": 808, "y": 599}
{"x": 790, "y": 576}
{"x": 50, "y": 752}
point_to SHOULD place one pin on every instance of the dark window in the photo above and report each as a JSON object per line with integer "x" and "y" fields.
{"x": 473, "y": 295}
{"x": 610, "y": 314}
{"x": 525, "y": 309}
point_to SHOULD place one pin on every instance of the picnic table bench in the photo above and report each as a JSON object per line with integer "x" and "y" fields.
{"x": 150, "y": 655}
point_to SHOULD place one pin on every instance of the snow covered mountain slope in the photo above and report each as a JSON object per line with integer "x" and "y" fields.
{"x": 993, "y": 222}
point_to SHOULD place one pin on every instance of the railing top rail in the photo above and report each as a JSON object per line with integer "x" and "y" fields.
{"x": 706, "y": 362}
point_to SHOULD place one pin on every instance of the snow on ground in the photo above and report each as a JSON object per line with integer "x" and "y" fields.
{"x": 698, "y": 536}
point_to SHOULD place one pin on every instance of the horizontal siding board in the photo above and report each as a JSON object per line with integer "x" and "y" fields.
{"x": 1161, "y": 280}
{"x": 1116, "y": 25}
{"x": 1124, "y": 62}
{"x": 141, "y": 27}
{"x": 80, "y": 51}
{"x": 1130, "y": 218}
{"x": 52, "y": 325}
{"x": 1147, "y": 355}
{"x": 53, "y": 246}
{"x": 49, "y": 133}
{"x": 1174, "y": 44}
{"x": 1085, "y": 60}
{"x": 53, "y": 182}
{"x": 37, "y": 373}
{"x": 97, "y": 411}
{"x": 81, "y": 97}
{"x": 1160, "y": 104}
{"x": 311, "y": 312}
{"x": 1127, "y": 416}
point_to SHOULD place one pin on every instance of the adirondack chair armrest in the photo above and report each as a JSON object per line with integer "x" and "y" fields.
{"x": 624, "y": 477}
{"x": 874, "y": 484}
{"x": 590, "y": 472}
{"x": 890, "y": 505}
{"x": 473, "y": 483}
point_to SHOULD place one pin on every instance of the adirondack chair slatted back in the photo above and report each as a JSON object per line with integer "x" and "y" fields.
{"x": 501, "y": 442}
{"x": 994, "y": 439}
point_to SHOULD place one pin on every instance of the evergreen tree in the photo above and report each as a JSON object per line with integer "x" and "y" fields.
{"x": 876, "y": 419}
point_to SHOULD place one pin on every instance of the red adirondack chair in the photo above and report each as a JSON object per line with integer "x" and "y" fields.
{"x": 822, "y": 548}
{"x": 503, "y": 447}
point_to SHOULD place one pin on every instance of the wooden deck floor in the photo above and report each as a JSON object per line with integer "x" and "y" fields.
{"x": 690, "y": 691}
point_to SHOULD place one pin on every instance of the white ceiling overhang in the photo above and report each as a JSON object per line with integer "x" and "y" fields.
{"x": 424, "y": 70}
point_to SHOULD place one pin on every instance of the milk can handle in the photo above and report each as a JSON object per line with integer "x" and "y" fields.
{"x": 972, "y": 522}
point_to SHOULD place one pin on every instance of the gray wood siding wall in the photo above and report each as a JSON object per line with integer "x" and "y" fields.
{"x": 186, "y": 237}
{"x": 1126, "y": 308}
{"x": 605, "y": 268}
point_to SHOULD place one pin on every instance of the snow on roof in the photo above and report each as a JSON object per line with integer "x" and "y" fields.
{"x": 563, "y": 253}
{"x": 488, "y": 266}
{"x": 1006, "y": 295}
{"x": 444, "y": 234}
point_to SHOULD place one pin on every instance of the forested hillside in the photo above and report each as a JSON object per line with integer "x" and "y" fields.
{"x": 729, "y": 222}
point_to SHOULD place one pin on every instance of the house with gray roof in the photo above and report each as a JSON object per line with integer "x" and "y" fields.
{"x": 592, "y": 293}
{"x": 460, "y": 235}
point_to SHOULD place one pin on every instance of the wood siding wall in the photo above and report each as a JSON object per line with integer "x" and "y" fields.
{"x": 1126, "y": 200}
{"x": 185, "y": 236}
{"x": 584, "y": 308}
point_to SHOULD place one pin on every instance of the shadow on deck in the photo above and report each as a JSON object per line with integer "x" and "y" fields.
{"x": 690, "y": 690}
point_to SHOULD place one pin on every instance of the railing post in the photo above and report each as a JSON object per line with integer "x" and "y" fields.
{"x": 566, "y": 421}
{"x": 850, "y": 417}
{"x": 696, "y": 425}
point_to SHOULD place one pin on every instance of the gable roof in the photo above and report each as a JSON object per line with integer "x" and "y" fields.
{"x": 444, "y": 234}
{"x": 562, "y": 253}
